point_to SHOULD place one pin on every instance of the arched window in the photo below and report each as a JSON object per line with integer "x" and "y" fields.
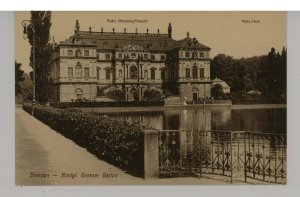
{"x": 107, "y": 73}
{"x": 78, "y": 70}
{"x": 78, "y": 93}
{"x": 152, "y": 73}
{"x": 195, "y": 72}
{"x": 133, "y": 72}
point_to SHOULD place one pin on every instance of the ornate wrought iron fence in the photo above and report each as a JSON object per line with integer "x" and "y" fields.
{"x": 238, "y": 155}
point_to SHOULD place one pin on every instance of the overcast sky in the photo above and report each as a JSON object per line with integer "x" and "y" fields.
{"x": 239, "y": 34}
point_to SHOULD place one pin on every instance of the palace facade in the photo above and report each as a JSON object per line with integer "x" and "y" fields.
{"x": 89, "y": 64}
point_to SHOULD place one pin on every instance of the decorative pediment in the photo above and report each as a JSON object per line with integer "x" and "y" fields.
{"x": 133, "y": 47}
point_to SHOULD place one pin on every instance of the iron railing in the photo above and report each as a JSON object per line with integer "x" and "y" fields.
{"x": 238, "y": 155}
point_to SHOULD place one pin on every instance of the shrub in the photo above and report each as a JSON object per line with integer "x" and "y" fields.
{"x": 152, "y": 95}
{"x": 116, "y": 94}
{"x": 118, "y": 142}
{"x": 64, "y": 105}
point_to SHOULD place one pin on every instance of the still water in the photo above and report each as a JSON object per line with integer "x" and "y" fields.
{"x": 240, "y": 142}
{"x": 266, "y": 120}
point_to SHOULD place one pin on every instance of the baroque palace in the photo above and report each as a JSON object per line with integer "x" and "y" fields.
{"x": 89, "y": 64}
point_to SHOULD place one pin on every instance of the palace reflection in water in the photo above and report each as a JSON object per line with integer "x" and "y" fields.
{"x": 271, "y": 120}
{"x": 236, "y": 143}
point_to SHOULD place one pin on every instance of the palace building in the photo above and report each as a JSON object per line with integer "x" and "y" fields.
{"x": 88, "y": 65}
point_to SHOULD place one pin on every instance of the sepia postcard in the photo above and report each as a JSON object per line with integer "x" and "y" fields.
{"x": 150, "y": 98}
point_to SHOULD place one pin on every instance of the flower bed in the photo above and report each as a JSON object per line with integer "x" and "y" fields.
{"x": 118, "y": 142}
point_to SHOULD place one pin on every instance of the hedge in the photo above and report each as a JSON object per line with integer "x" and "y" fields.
{"x": 64, "y": 105}
{"x": 118, "y": 142}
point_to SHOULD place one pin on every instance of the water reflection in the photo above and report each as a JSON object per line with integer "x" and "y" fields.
{"x": 211, "y": 118}
{"x": 237, "y": 143}
{"x": 237, "y": 155}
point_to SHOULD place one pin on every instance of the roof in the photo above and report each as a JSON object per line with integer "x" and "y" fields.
{"x": 149, "y": 41}
{"x": 220, "y": 82}
{"x": 112, "y": 40}
{"x": 254, "y": 92}
{"x": 191, "y": 43}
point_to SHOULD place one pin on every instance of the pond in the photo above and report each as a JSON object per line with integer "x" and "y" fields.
{"x": 266, "y": 120}
{"x": 241, "y": 143}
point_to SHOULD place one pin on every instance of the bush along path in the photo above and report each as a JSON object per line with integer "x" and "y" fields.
{"x": 118, "y": 142}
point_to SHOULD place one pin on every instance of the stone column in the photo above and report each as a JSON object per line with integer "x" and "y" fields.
{"x": 151, "y": 157}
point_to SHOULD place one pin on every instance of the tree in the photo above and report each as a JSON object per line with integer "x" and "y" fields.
{"x": 229, "y": 70}
{"x": 41, "y": 21}
{"x": 26, "y": 87}
{"x": 217, "y": 91}
{"x": 152, "y": 95}
{"x": 251, "y": 72}
{"x": 266, "y": 73}
{"x": 116, "y": 94}
{"x": 275, "y": 69}
{"x": 19, "y": 77}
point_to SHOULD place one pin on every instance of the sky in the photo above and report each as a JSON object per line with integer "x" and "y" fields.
{"x": 238, "y": 34}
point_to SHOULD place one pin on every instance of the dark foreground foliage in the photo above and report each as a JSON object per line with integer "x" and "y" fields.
{"x": 64, "y": 105}
{"x": 118, "y": 142}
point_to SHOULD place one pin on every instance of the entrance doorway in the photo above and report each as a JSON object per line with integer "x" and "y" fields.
{"x": 195, "y": 96}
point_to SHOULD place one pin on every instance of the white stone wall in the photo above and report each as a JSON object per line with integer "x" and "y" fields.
{"x": 187, "y": 90}
{"x": 64, "y": 51}
{"x": 65, "y": 64}
{"x": 102, "y": 56}
{"x": 67, "y": 91}
{"x": 183, "y": 54}
{"x": 102, "y": 72}
{"x": 184, "y": 64}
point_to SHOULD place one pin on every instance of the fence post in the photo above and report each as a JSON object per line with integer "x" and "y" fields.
{"x": 231, "y": 157}
{"x": 151, "y": 154}
{"x": 245, "y": 156}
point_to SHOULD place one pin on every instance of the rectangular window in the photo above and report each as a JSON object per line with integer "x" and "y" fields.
{"x": 163, "y": 74}
{"x": 162, "y": 57}
{"x": 187, "y": 54}
{"x": 195, "y": 72}
{"x": 201, "y": 54}
{"x": 99, "y": 91}
{"x": 86, "y": 53}
{"x": 98, "y": 73}
{"x": 86, "y": 72}
{"x": 152, "y": 57}
{"x": 70, "y": 72}
{"x": 120, "y": 55}
{"x": 187, "y": 73}
{"x": 202, "y": 73}
{"x": 107, "y": 56}
{"x": 107, "y": 74}
{"x": 70, "y": 52}
{"x": 153, "y": 74}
